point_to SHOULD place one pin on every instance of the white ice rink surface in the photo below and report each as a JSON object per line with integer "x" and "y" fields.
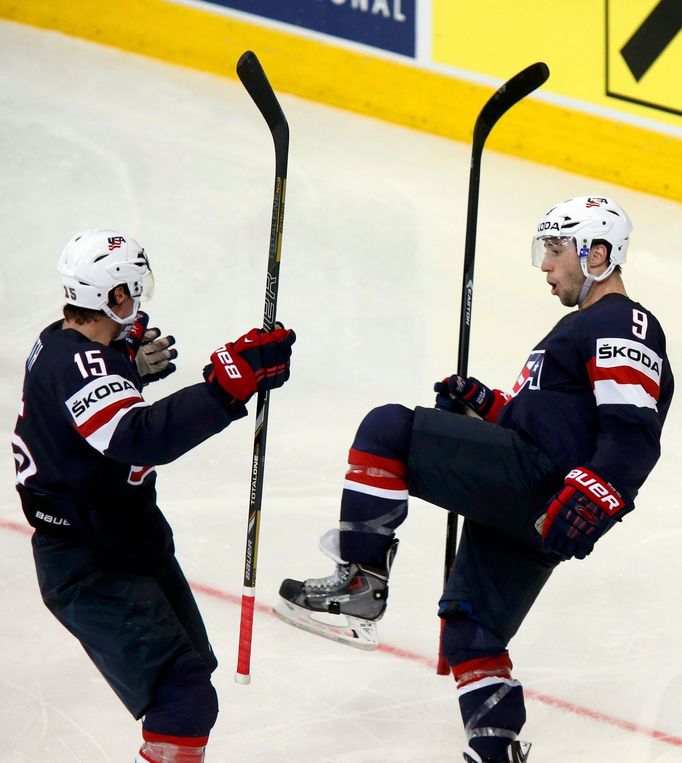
{"x": 370, "y": 280}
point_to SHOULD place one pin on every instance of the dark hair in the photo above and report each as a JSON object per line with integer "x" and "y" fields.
{"x": 80, "y": 315}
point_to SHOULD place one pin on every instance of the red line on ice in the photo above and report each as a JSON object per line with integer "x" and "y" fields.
{"x": 403, "y": 654}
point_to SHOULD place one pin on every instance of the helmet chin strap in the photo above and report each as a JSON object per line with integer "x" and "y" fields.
{"x": 126, "y": 322}
{"x": 589, "y": 280}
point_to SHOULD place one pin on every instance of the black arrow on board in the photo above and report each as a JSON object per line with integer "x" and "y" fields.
{"x": 652, "y": 37}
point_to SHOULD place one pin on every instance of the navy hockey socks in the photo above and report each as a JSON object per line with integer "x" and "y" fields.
{"x": 492, "y": 706}
{"x": 375, "y": 494}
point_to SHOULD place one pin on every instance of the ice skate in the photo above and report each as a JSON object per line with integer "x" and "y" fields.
{"x": 517, "y": 753}
{"x": 344, "y": 606}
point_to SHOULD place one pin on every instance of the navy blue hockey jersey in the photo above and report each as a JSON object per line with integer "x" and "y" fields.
{"x": 86, "y": 443}
{"x": 596, "y": 390}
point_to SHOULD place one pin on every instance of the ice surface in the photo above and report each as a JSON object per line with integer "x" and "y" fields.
{"x": 370, "y": 280}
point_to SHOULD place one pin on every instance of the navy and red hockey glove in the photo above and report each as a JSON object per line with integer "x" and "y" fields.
{"x": 133, "y": 338}
{"x": 256, "y": 362}
{"x": 580, "y": 514}
{"x": 149, "y": 350}
{"x": 456, "y": 391}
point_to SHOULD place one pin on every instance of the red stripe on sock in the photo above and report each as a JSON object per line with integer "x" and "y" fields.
{"x": 360, "y": 458}
{"x": 151, "y": 736}
{"x": 482, "y": 667}
{"x": 360, "y": 475}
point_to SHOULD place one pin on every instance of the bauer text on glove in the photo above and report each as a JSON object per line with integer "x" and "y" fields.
{"x": 256, "y": 362}
{"x": 580, "y": 514}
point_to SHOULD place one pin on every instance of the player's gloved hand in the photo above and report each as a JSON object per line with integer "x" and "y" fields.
{"x": 154, "y": 357}
{"x": 256, "y": 362}
{"x": 466, "y": 391}
{"x": 580, "y": 514}
{"x": 445, "y": 401}
{"x": 149, "y": 350}
{"x": 133, "y": 338}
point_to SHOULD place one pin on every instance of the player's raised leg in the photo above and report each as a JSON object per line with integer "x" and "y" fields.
{"x": 346, "y": 605}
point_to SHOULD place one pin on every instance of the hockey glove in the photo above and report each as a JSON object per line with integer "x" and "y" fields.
{"x": 256, "y": 362}
{"x": 470, "y": 392}
{"x": 149, "y": 350}
{"x": 580, "y": 514}
{"x": 445, "y": 401}
{"x": 154, "y": 357}
{"x": 133, "y": 338}
{"x": 144, "y": 348}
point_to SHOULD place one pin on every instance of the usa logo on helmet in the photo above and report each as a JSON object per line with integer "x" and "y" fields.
{"x": 115, "y": 242}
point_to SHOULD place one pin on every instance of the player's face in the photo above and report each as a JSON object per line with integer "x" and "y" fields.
{"x": 561, "y": 263}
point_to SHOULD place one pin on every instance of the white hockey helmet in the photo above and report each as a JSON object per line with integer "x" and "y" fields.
{"x": 95, "y": 261}
{"x": 580, "y": 222}
{"x": 586, "y": 219}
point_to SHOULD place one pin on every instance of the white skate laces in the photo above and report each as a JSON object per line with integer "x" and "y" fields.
{"x": 339, "y": 577}
{"x": 330, "y": 545}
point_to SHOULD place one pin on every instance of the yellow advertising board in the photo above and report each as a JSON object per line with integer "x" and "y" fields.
{"x": 622, "y": 54}
{"x": 644, "y": 53}
{"x": 612, "y": 108}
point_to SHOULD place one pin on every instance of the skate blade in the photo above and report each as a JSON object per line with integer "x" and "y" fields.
{"x": 353, "y": 631}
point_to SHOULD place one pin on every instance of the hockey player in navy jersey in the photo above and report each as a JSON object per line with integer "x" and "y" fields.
{"x": 540, "y": 474}
{"x": 85, "y": 446}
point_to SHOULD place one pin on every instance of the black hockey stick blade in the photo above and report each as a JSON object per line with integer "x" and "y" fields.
{"x": 509, "y": 94}
{"x": 250, "y": 72}
{"x": 517, "y": 88}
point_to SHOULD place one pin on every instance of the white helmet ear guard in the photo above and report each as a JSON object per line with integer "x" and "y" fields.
{"x": 95, "y": 261}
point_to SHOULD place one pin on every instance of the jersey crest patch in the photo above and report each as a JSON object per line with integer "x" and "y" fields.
{"x": 138, "y": 473}
{"x": 530, "y": 374}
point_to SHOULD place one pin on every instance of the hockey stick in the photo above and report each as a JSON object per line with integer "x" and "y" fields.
{"x": 253, "y": 78}
{"x": 513, "y": 91}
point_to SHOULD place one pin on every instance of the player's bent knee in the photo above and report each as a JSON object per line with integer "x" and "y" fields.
{"x": 465, "y": 639}
{"x": 385, "y": 431}
{"x": 184, "y": 708}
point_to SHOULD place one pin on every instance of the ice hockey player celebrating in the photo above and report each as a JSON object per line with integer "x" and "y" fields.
{"x": 85, "y": 447}
{"x": 539, "y": 475}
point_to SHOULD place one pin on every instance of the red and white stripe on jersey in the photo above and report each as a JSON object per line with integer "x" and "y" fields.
{"x": 374, "y": 475}
{"x": 98, "y": 407}
{"x": 625, "y": 372}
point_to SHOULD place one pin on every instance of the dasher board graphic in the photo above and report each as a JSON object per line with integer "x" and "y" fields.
{"x": 644, "y": 53}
